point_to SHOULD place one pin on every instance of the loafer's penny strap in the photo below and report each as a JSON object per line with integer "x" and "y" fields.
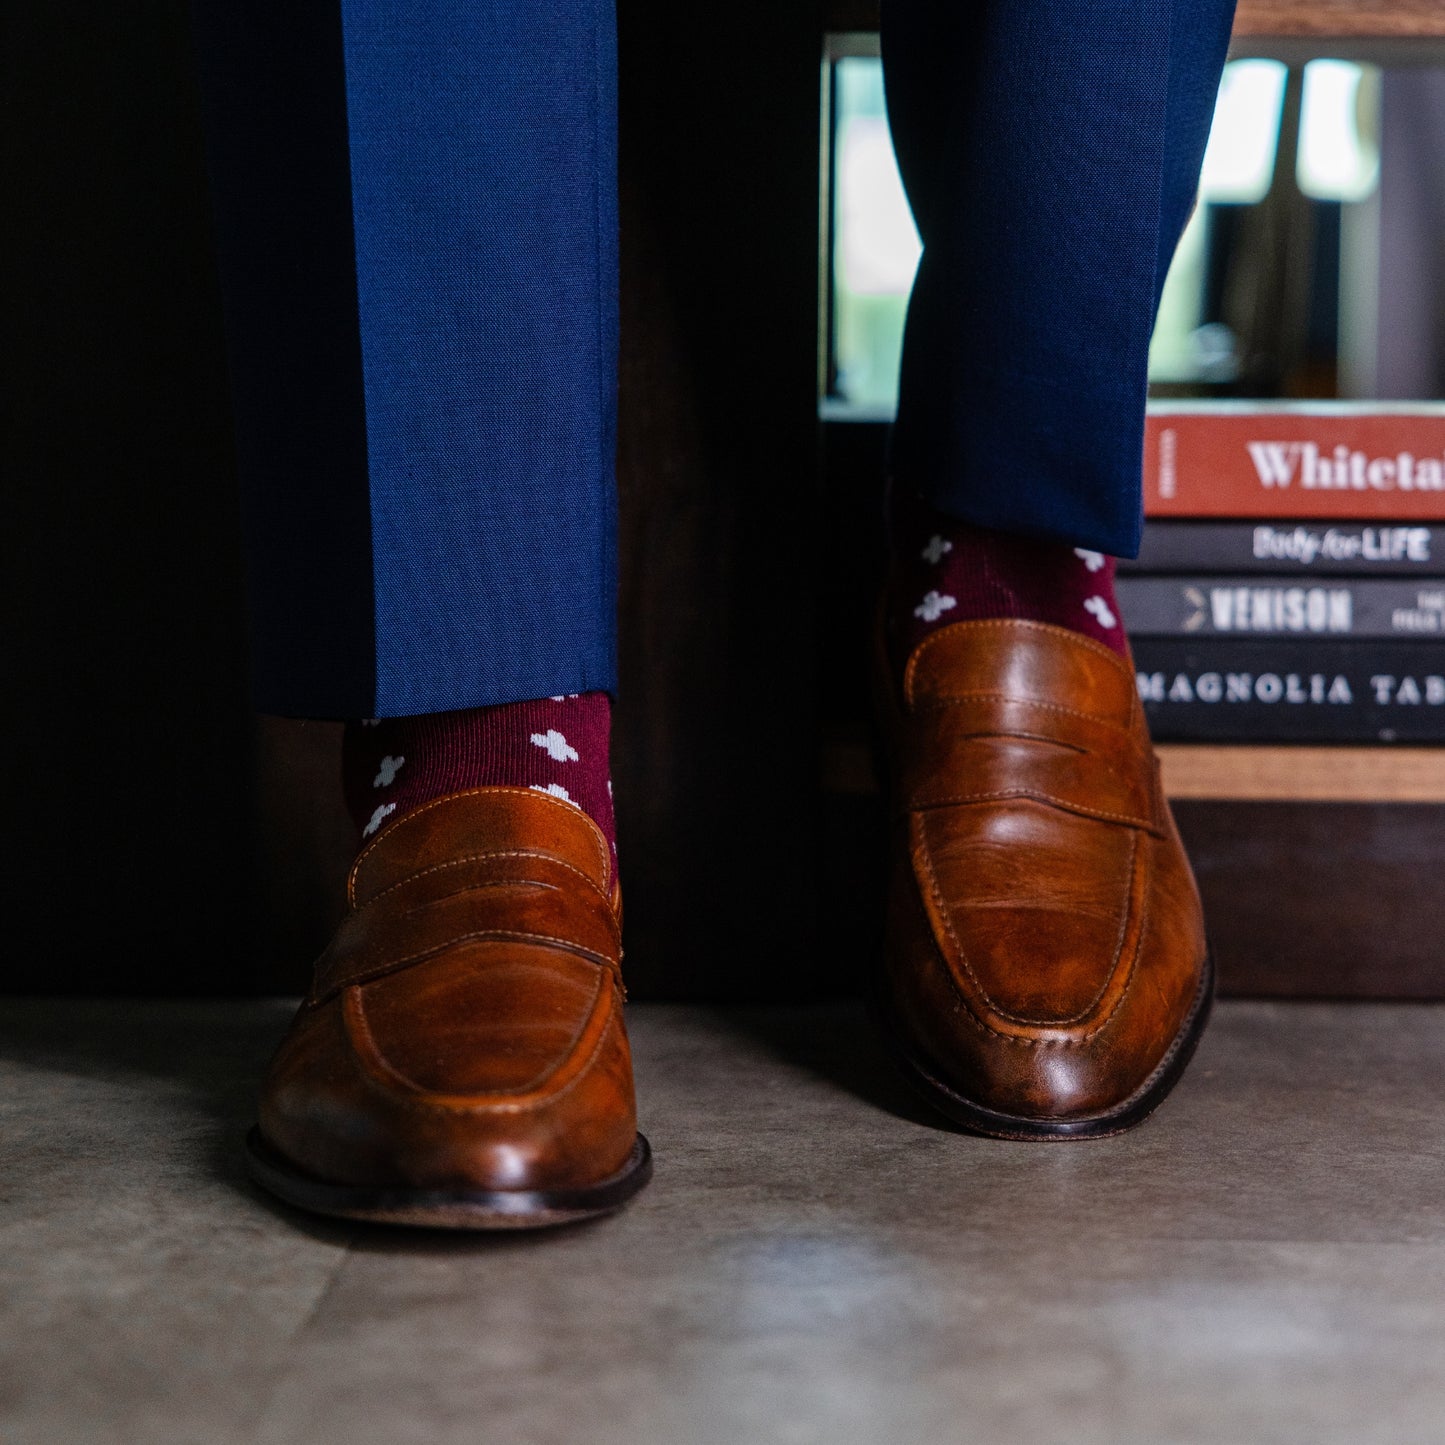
{"x": 988, "y": 750}
{"x": 481, "y": 820}
{"x": 514, "y": 897}
{"x": 1003, "y": 708}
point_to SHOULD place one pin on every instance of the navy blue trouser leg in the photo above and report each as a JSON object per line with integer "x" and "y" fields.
{"x": 1051, "y": 152}
{"x": 417, "y": 230}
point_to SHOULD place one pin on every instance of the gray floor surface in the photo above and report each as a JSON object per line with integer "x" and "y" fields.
{"x": 816, "y": 1260}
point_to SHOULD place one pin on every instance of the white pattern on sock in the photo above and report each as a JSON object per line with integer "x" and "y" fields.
{"x": 556, "y": 746}
{"x": 555, "y": 789}
{"x": 934, "y": 605}
{"x": 1092, "y": 560}
{"x": 389, "y": 768}
{"x": 1100, "y": 609}
{"x": 937, "y": 548}
{"x": 376, "y": 818}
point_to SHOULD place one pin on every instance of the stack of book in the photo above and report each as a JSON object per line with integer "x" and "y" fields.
{"x": 1291, "y": 586}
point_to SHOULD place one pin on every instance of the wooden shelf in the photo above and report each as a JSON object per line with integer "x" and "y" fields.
{"x": 1341, "y": 19}
{"x": 1303, "y": 774}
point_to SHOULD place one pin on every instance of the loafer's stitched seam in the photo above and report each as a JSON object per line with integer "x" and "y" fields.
{"x": 962, "y": 699}
{"x": 482, "y": 857}
{"x": 386, "y": 967}
{"x": 395, "y": 829}
{"x": 1035, "y": 795}
{"x": 1013, "y": 624}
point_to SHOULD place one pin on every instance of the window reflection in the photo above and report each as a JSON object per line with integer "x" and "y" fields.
{"x": 1275, "y": 289}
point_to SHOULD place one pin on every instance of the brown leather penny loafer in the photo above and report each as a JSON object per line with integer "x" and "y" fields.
{"x": 461, "y": 1059}
{"x": 1046, "y": 974}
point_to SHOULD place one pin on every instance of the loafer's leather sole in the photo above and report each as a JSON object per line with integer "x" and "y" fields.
{"x": 488, "y": 1209}
{"x": 977, "y": 1119}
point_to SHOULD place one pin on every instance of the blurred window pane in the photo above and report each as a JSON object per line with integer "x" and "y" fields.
{"x": 1339, "y": 144}
{"x": 1239, "y": 160}
{"x": 875, "y": 245}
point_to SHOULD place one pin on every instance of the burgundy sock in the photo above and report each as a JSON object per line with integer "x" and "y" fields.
{"x": 558, "y": 745}
{"x": 942, "y": 570}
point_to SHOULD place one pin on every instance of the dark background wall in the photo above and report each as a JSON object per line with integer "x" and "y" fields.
{"x": 161, "y": 839}
{"x": 127, "y": 785}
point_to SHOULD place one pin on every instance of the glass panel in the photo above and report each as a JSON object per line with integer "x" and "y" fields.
{"x": 1273, "y": 291}
{"x": 1239, "y": 159}
{"x": 875, "y": 243}
{"x": 1339, "y": 144}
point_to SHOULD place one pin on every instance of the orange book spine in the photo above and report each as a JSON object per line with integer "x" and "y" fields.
{"x": 1349, "y": 461}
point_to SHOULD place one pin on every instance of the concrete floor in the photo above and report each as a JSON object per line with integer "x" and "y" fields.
{"x": 815, "y": 1261}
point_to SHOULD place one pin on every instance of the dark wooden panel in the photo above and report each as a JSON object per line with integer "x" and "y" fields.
{"x": 1322, "y": 899}
{"x": 126, "y": 719}
{"x": 853, "y": 15}
{"x": 304, "y": 841}
{"x": 142, "y": 785}
{"x": 721, "y": 525}
{"x": 127, "y": 843}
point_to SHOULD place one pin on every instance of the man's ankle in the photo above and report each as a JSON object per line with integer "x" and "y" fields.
{"x": 556, "y": 745}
